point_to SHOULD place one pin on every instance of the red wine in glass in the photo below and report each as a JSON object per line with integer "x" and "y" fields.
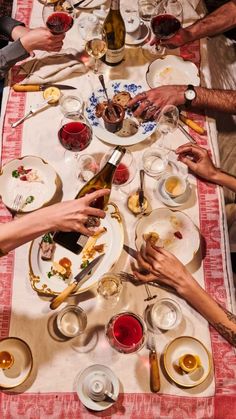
{"x": 75, "y": 136}
{"x": 59, "y": 22}
{"x": 122, "y": 174}
{"x": 165, "y": 26}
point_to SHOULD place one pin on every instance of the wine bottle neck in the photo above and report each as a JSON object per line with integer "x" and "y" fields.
{"x": 115, "y": 5}
{"x": 115, "y": 157}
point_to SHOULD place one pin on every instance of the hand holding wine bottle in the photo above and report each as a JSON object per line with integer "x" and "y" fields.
{"x": 57, "y": 16}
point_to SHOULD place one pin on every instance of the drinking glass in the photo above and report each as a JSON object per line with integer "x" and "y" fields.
{"x": 58, "y": 16}
{"x": 75, "y": 134}
{"x": 109, "y": 288}
{"x": 126, "y": 332}
{"x": 95, "y": 39}
{"x": 87, "y": 167}
{"x": 155, "y": 161}
{"x": 71, "y": 321}
{"x": 167, "y": 121}
{"x": 146, "y": 9}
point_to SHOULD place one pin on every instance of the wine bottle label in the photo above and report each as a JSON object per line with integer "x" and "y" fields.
{"x": 115, "y": 157}
{"x": 115, "y": 4}
{"x": 115, "y": 55}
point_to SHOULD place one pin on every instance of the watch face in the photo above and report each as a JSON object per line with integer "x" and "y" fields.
{"x": 190, "y": 94}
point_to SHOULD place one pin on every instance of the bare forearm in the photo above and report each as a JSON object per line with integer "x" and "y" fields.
{"x": 221, "y": 20}
{"x": 24, "y": 229}
{"x": 223, "y": 321}
{"x": 224, "y": 179}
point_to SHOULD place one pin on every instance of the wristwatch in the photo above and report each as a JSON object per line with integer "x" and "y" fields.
{"x": 189, "y": 95}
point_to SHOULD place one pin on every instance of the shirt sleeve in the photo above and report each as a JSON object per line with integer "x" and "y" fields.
{"x": 7, "y": 24}
{"x": 10, "y": 55}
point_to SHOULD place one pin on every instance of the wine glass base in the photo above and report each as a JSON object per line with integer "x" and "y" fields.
{"x": 151, "y": 53}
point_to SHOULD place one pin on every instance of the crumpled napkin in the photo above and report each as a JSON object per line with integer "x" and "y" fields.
{"x": 50, "y": 68}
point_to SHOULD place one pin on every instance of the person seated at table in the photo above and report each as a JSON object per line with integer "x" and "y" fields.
{"x": 151, "y": 101}
{"x": 64, "y": 216}
{"x": 167, "y": 269}
{"x": 219, "y": 21}
{"x": 25, "y": 41}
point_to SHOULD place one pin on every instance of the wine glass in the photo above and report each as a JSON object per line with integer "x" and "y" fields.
{"x": 75, "y": 134}
{"x": 95, "y": 39}
{"x": 167, "y": 121}
{"x": 165, "y": 23}
{"x": 58, "y": 16}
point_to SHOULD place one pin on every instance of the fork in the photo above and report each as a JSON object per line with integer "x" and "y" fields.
{"x": 17, "y": 203}
{"x": 129, "y": 277}
{"x": 125, "y": 276}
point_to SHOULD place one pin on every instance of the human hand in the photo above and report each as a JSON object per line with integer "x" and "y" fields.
{"x": 162, "y": 266}
{"x": 42, "y": 39}
{"x": 181, "y": 37}
{"x": 73, "y": 215}
{"x": 151, "y": 101}
{"x": 200, "y": 162}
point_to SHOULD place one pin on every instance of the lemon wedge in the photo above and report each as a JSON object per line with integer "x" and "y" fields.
{"x": 54, "y": 92}
{"x": 189, "y": 362}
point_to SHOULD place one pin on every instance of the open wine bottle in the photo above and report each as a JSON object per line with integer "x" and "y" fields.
{"x": 75, "y": 241}
{"x": 114, "y": 27}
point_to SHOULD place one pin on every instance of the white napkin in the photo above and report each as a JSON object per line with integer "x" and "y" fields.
{"x": 50, "y": 68}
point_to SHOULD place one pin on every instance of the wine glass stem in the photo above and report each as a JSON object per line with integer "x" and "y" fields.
{"x": 95, "y": 66}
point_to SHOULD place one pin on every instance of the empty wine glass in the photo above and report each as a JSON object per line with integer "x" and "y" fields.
{"x": 58, "y": 16}
{"x": 167, "y": 121}
{"x": 75, "y": 134}
{"x": 165, "y": 23}
{"x": 95, "y": 39}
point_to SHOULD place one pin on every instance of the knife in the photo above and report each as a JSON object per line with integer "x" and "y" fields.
{"x": 141, "y": 192}
{"x": 39, "y": 87}
{"x": 32, "y": 111}
{"x": 79, "y": 279}
{"x": 81, "y": 2}
{"x": 189, "y": 137}
{"x": 192, "y": 124}
{"x": 155, "y": 384}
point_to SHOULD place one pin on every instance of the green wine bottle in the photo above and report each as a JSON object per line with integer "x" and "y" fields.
{"x": 102, "y": 180}
{"x": 114, "y": 27}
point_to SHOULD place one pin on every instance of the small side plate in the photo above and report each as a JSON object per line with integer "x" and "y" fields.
{"x": 144, "y": 34}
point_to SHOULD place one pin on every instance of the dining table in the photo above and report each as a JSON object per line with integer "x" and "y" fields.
{"x": 50, "y": 391}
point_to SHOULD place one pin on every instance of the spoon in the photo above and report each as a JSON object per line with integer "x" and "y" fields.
{"x": 110, "y": 107}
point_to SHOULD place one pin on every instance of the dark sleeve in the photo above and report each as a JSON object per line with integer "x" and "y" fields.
{"x": 7, "y": 24}
{"x": 10, "y": 54}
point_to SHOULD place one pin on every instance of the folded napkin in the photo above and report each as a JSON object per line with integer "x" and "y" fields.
{"x": 50, "y": 68}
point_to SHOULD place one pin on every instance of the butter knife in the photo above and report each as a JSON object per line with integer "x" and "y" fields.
{"x": 189, "y": 137}
{"x": 141, "y": 192}
{"x": 32, "y": 111}
{"x": 79, "y": 279}
{"x": 155, "y": 384}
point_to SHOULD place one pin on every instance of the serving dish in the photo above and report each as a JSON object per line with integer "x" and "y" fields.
{"x": 42, "y": 189}
{"x": 172, "y": 70}
{"x": 145, "y": 129}
{"x": 177, "y": 232}
{"x": 39, "y": 269}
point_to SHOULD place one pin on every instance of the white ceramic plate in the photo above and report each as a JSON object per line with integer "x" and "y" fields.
{"x": 116, "y": 86}
{"x": 52, "y": 286}
{"x": 81, "y": 391}
{"x": 144, "y": 34}
{"x": 172, "y": 70}
{"x": 90, "y": 4}
{"x": 166, "y": 199}
{"x": 23, "y": 362}
{"x": 179, "y": 347}
{"x": 43, "y": 191}
{"x": 165, "y": 222}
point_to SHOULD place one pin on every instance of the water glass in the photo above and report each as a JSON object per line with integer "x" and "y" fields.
{"x": 110, "y": 287}
{"x": 71, "y": 321}
{"x": 146, "y": 9}
{"x": 155, "y": 161}
{"x": 87, "y": 167}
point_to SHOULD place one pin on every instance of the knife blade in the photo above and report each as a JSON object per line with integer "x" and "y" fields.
{"x": 133, "y": 253}
{"x": 32, "y": 111}
{"x": 39, "y": 87}
{"x": 141, "y": 191}
{"x": 81, "y": 2}
{"x": 79, "y": 279}
{"x": 189, "y": 137}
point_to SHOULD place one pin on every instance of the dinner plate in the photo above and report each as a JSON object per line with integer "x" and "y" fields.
{"x": 179, "y": 347}
{"x": 168, "y": 224}
{"x": 53, "y": 285}
{"x": 81, "y": 388}
{"x": 145, "y": 129}
{"x": 172, "y": 70}
{"x": 42, "y": 189}
{"x": 166, "y": 199}
{"x": 23, "y": 362}
{"x": 144, "y": 34}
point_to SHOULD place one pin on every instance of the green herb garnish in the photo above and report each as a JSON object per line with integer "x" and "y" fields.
{"x": 29, "y": 199}
{"x": 84, "y": 264}
{"x": 15, "y": 173}
{"x": 47, "y": 238}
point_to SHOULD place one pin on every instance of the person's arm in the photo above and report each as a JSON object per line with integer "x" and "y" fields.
{"x": 219, "y": 21}
{"x": 65, "y": 216}
{"x": 153, "y": 100}
{"x": 201, "y": 164}
{"x": 166, "y": 268}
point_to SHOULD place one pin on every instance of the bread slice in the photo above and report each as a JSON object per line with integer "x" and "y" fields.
{"x": 121, "y": 98}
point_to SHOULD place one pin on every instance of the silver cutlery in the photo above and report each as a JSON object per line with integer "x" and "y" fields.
{"x": 189, "y": 137}
{"x": 17, "y": 203}
{"x": 141, "y": 191}
{"x": 81, "y": 2}
{"x": 155, "y": 383}
{"x": 32, "y": 111}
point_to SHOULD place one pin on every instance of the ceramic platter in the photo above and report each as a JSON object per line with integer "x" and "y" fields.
{"x": 145, "y": 129}
{"x": 172, "y": 70}
{"x": 39, "y": 268}
{"x": 42, "y": 189}
{"x": 168, "y": 224}
{"x": 23, "y": 362}
{"x": 179, "y": 347}
{"x": 81, "y": 388}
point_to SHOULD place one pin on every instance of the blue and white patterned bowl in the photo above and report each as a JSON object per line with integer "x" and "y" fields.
{"x": 145, "y": 128}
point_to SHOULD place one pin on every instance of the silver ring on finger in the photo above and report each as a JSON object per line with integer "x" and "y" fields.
{"x": 147, "y": 104}
{"x": 92, "y": 221}
{"x": 151, "y": 110}
{"x": 143, "y": 95}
